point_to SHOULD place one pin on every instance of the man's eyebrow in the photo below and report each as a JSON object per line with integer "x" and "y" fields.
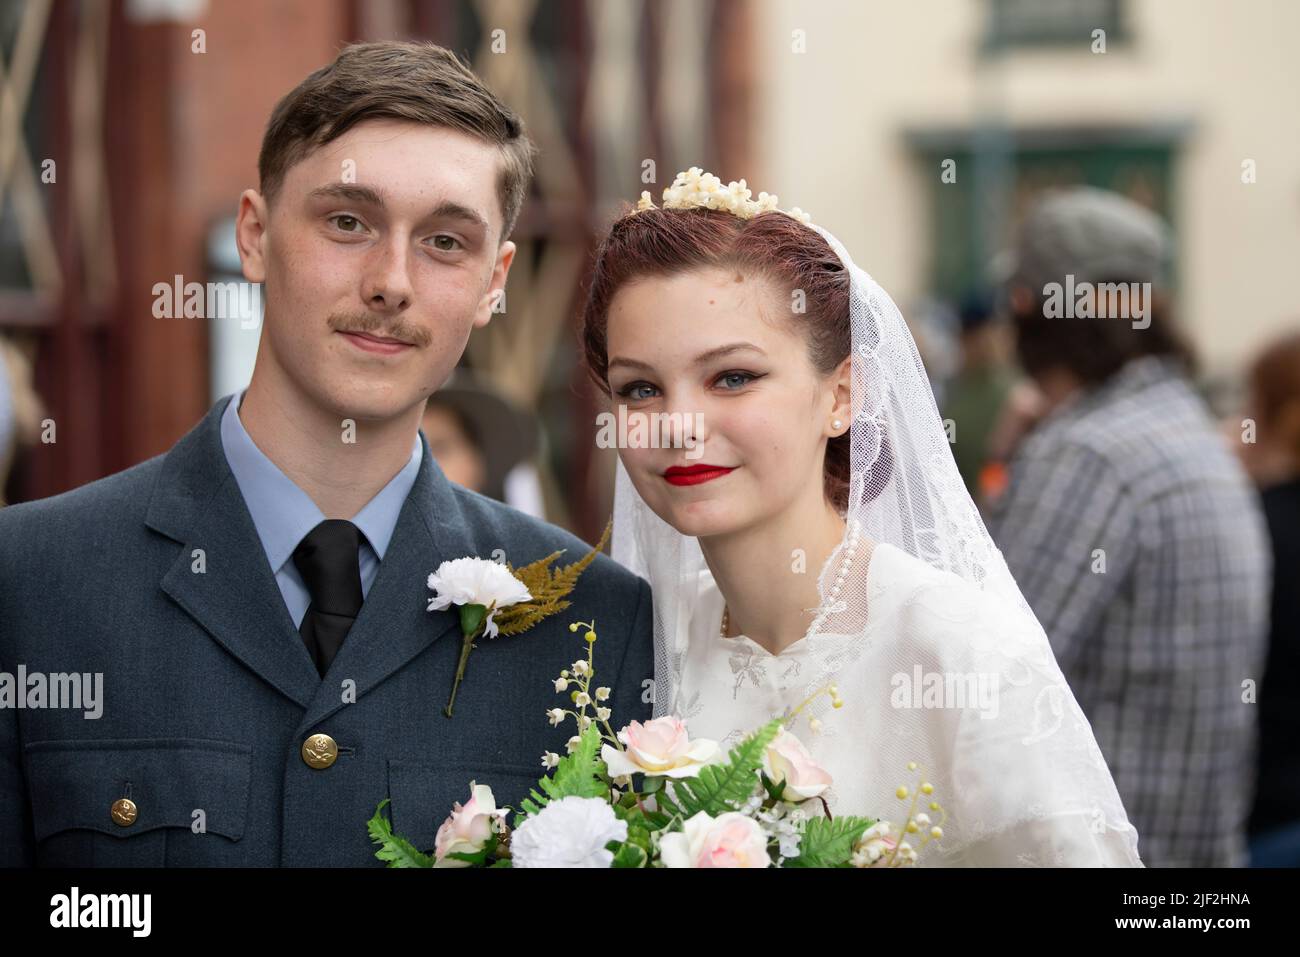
{"x": 349, "y": 191}
{"x": 702, "y": 359}
{"x": 448, "y": 209}
{"x": 353, "y": 192}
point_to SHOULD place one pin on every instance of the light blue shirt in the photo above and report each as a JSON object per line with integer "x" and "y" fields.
{"x": 283, "y": 513}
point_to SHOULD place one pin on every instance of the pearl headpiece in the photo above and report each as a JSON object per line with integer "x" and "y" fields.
{"x": 695, "y": 187}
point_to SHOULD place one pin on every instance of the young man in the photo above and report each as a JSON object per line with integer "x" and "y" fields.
{"x": 252, "y": 606}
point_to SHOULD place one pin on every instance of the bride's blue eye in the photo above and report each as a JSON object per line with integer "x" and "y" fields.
{"x": 744, "y": 377}
{"x": 627, "y": 391}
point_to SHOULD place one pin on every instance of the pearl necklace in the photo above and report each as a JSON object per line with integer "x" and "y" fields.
{"x": 824, "y": 609}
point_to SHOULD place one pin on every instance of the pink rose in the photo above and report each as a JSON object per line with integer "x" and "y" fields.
{"x": 467, "y": 829}
{"x": 659, "y": 747}
{"x": 729, "y": 840}
{"x": 787, "y": 760}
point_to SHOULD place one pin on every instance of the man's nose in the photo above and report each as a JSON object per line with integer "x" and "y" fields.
{"x": 388, "y": 279}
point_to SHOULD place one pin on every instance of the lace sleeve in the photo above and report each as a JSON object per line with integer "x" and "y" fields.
{"x": 1032, "y": 785}
{"x": 1068, "y": 839}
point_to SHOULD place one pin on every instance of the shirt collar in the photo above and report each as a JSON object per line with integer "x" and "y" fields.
{"x": 283, "y": 513}
{"x": 1138, "y": 373}
{"x": 1148, "y": 369}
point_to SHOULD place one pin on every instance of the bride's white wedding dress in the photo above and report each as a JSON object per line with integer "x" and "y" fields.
{"x": 926, "y": 631}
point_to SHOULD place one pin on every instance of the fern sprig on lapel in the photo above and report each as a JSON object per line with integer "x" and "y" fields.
{"x": 498, "y": 599}
{"x": 548, "y": 586}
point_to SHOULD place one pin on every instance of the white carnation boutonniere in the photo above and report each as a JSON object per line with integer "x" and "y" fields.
{"x": 480, "y": 587}
{"x": 495, "y": 598}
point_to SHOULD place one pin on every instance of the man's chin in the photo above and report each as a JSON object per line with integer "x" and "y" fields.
{"x": 370, "y": 401}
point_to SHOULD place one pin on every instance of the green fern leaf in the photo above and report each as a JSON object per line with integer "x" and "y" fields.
{"x": 720, "y": 788}
{"x": 829, "y": 843}
{"x": 577, "y": 775}
{"x": 397, "y": 851}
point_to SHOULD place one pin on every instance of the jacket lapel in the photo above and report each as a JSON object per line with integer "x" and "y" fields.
{"x": 235, "y": 597}
{"x": 232, "y": 594}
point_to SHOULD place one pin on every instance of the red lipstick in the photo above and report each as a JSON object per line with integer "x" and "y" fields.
{"x": 695, "y": 474}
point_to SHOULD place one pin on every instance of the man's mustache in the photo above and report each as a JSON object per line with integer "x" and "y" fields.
{"x": 379, "y": 326}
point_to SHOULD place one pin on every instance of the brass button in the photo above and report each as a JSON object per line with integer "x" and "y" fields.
{"x": 124, "y": 812}
{"x": 319, "y": 751}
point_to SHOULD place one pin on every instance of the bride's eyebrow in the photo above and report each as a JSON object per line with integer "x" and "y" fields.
{"x": 630, "y": 364}
{"x": 704, "y": 358}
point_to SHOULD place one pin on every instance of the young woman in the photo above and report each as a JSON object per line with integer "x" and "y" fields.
{"x": 811, "y": 528}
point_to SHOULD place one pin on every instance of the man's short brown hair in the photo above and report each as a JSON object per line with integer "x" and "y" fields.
{"x": 419, "y": 82}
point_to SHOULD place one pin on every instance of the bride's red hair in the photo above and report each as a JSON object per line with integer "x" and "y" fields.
{"x": 774, "y": 246}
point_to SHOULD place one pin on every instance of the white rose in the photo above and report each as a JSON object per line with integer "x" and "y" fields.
{"x": 786, "y": 759}
{"x": 660, "y": 747}
{"x": 729, "y": 840}
{"x": 467, "y": 829}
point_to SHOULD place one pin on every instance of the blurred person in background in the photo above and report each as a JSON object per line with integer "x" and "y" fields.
{"x": 484, "y": 442}
{"x": 1273, "y": 461}
{"x": 1134, "y": 533}
{"x": 979, "y": 391}
{"x": 20, "y": 409}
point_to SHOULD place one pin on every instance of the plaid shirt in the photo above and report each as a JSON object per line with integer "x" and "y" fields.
{"x": 1135, "y": 537}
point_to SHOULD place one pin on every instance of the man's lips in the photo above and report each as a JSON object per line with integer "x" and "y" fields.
{"x": 695, "y": 474}
{"x": 380, "y": 344}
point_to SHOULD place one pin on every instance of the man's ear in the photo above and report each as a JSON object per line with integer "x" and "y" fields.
{"x": 250, "y": 234}
{"x": 496, "y": 285}
{"x": 1021, "y": 298}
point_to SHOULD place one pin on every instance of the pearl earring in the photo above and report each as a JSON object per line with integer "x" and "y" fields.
{"x": 836, "y": 424}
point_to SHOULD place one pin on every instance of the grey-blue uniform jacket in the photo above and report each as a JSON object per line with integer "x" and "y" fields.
{"x": 155, "y": 579}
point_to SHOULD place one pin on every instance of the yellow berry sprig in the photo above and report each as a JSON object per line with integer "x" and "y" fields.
{"x": 814, "y": 724}
{"x": 915, "y": 821}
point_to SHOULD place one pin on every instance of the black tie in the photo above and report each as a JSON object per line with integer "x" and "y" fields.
{"x": 327, "y": 559}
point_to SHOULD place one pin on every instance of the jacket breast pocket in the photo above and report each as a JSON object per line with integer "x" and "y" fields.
{"x": 144, "y": 802}
{"x": 422, "y": 794}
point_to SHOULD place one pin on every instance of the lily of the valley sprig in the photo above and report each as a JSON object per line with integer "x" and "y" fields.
{"x": 496, "y": 598}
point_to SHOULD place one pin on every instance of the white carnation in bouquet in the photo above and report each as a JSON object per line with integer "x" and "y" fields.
{"x": 570, "y": 832}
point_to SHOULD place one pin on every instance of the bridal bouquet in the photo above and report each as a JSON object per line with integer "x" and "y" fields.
{"x": 759, "y": 805}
